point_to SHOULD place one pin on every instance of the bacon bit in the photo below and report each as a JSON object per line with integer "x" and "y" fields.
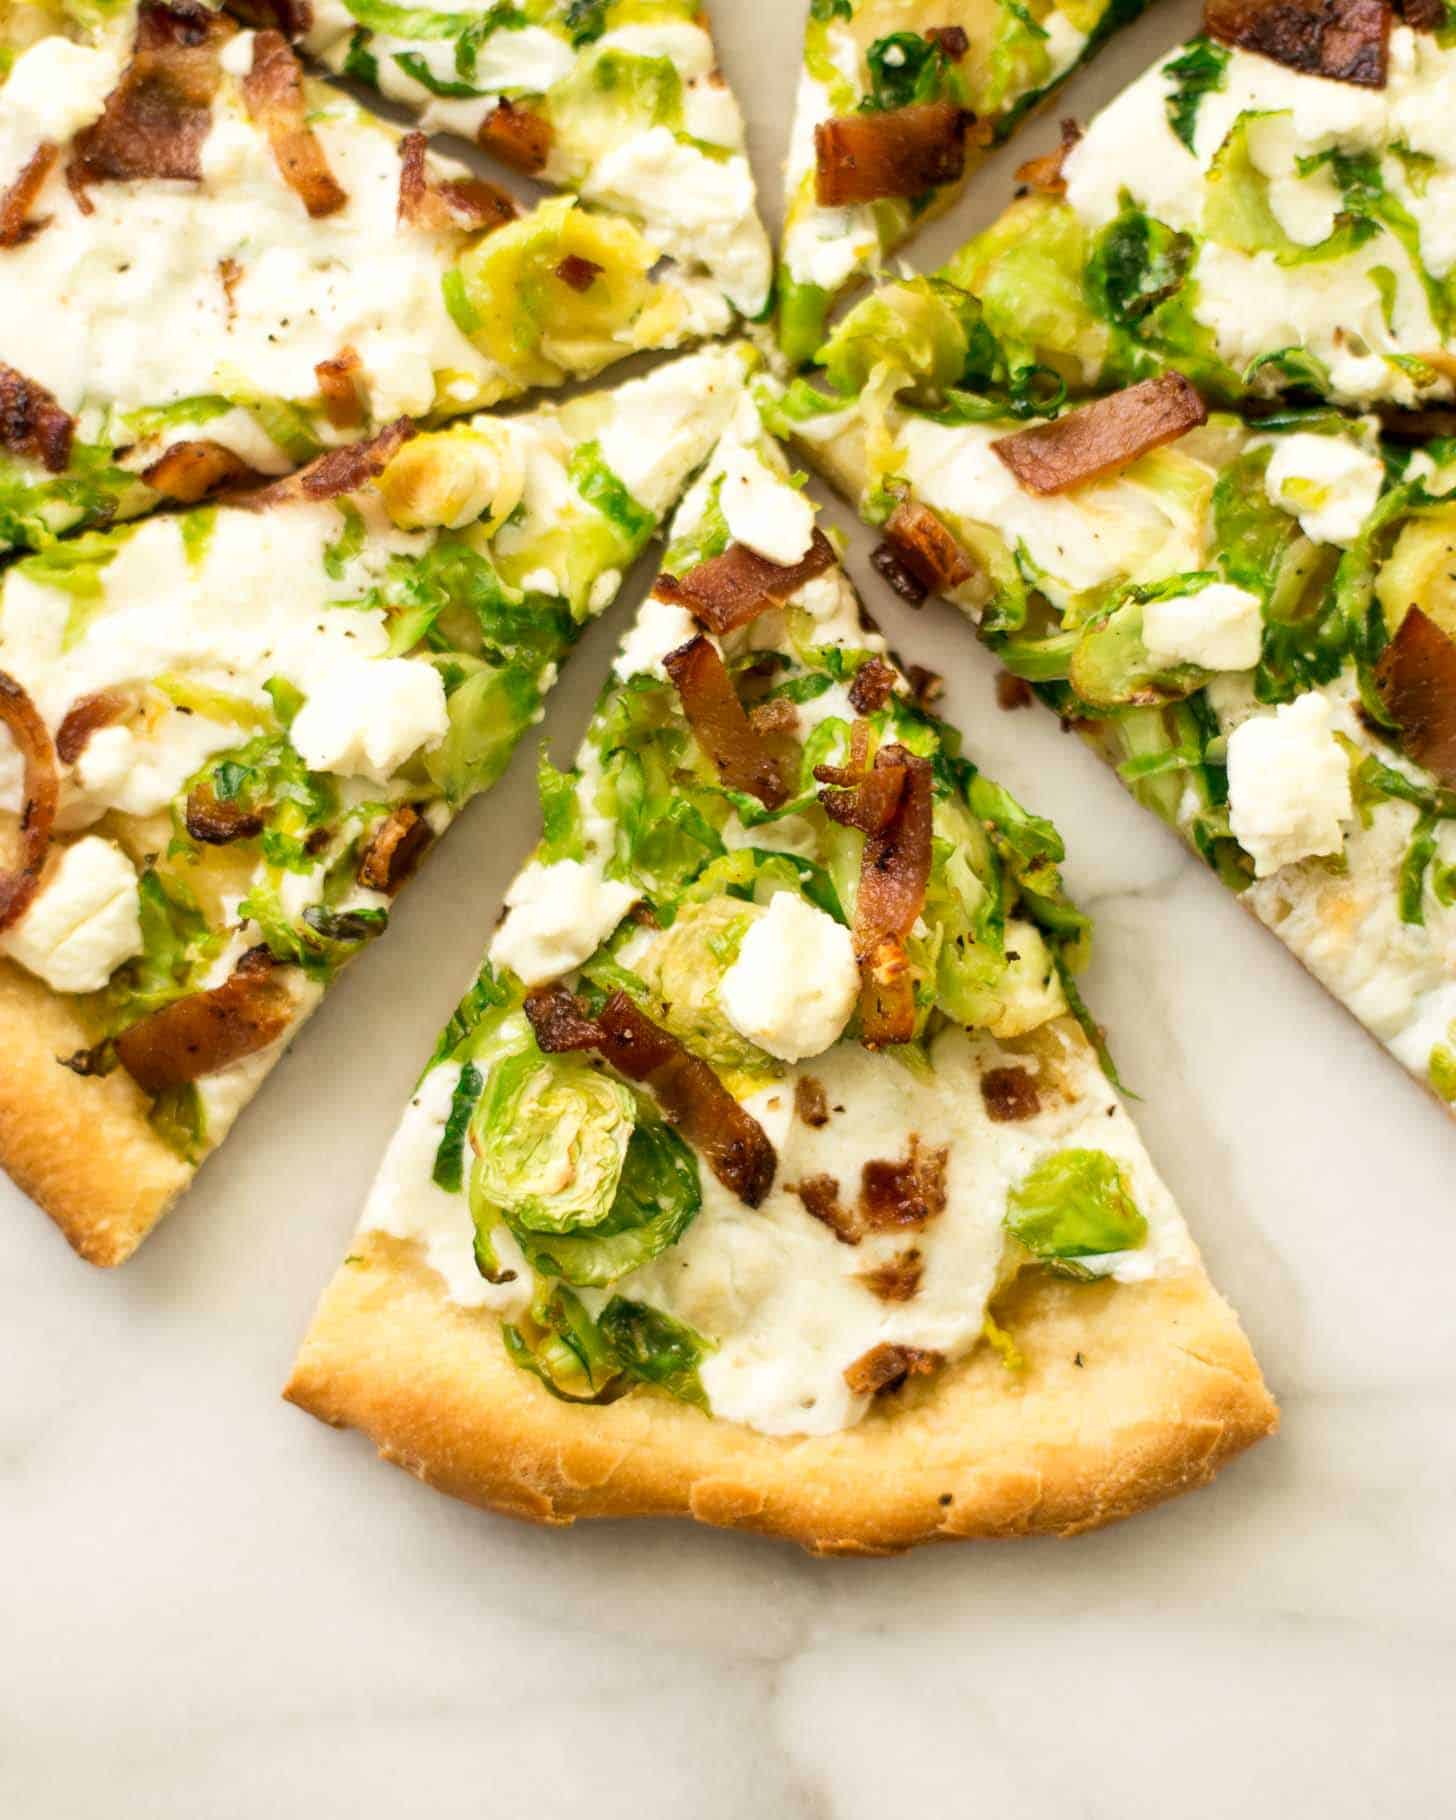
{"x": 578, "y": 273}
{"x": 17, "y": 201}
{"x": 18, "y": 884}
{"x": 273, "y": 93}
{"x": 217, "y": 824}
{"x": 1422, "y": 15}
{"x": 158, "y": 115}
{"x": 1044, "y": 174}
{"x": 898, "y": 1279}
{"x": 32, "y": 422}
{"x": 189, "y": 471}
{"x": 894, "y": 871}
{"x": 516, "y": 136}
{"x": 885, "y": 1367}
{"x": 1344, "y": 40}
{"x": 291, "y": 17}
{"x": 926, "y": 686}
{"x": 1013, "y": 692}
{"x": 719, "y": 723}
{"x": 873, "y": 685}
{"x": 83, "y": 718}
{"x": 341, "y": 471}
{"x": 730, "y": 590}
{"x": 209, "y": 1030}
{"x": 1010, "y": 1095}
{"x": 905, "y": 1192}
{"x": 810, "y": 1100}
{"x": 777, "y": 716}
{"x": 735, "y": 1145}
{"x": 867, "y": 800}
{"x": 820, "y": 1195}
{"x": 951, "y": 39}
{"x": 1416, "y": 678}
{"x": 464, "y": 204}
{"x": 395, "y": 849}
{"x": 888, "y": 567}
{"x": 1102, "y": 437}
{"x": 926, "y": 548}
{"x": 867, "y": 157}
{"x": 341, "y": 386}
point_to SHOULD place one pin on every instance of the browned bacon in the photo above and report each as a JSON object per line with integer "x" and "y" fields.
{"x": 394, "y": 849}
{"x": 1102, "y": 437}
{"x": 1416, "y": 677}
{"x": 341, "y": 386}
{"x": 209, "y": 1030}
{"x": 18, "y": 882}
{"x": 1345, "y": 40}
{"x": 516, "y": 136}
{"x": 867, "y": 157}
{"x": 32, "y": 422}
{"x": 17, "y": 201}
{"x": 467, "y": 204}
{"x": 1044, "y": 174}
{"x": 340, "y": 471}
{"x": 719, "y": 723}
{"x": 729, "y": 590}
{"x": 189, "y": 471}
{"x": 83, "y": 718}
{"x": 1009, "y": 1095}
{"x": 885, "y": 1367}
{"x": 273, "y": 92}
{"x": 894, "y": 871}
{"x": 903, "y": 1191}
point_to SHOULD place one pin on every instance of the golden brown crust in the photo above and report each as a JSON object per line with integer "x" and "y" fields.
{"x": 1129, "y": 1394}
{"x": 79, "y": 1146}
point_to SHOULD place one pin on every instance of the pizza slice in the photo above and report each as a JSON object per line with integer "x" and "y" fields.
{"x": 213, "y": 267}
{"x": 228, "y": 735}
{"x": 898, "y": 101}
{"x": 768, "y": 1172}
{"x": 1252, "y": 619}
{"x": 620, "y": 102}
{"x": 1266, "y": 210}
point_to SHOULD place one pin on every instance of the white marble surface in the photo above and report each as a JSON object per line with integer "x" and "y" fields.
{"x": 211, "y": 1608}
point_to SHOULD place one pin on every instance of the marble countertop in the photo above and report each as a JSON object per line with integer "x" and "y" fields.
{"x": 211, "y": 1608}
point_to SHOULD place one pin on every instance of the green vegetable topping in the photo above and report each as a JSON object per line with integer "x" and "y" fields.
{"x": 1199, "y": 71}
{"x": 1075, "y": 1204}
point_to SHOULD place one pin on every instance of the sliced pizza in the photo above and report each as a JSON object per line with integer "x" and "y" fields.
{"x": 1254, "y": 620}
{"x": 618, "y": 101}
{"x": 1266, "y": 210}
{"x": 228, "y": 735}
{"x": 213, "y": 267}
{"x": 768, "y": 1172}
{"x": 898, "y": 101}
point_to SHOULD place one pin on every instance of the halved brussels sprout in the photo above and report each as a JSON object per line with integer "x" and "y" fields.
{"x": 1075, "y": 1204}
{"x": 684, "y": 967}
{"x": 920, "y": 326}
{"x": 453, "y": 478}
{"x": 1421, "y": 572}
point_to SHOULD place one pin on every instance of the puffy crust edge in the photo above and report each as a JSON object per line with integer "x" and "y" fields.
{"x": 1130, "y": 1394}
{"x": 81, "y": 1147}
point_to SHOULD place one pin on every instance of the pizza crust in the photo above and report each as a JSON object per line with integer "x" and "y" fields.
{"x": 80, "y": 1146}
{"x": 1130, "y": 1394}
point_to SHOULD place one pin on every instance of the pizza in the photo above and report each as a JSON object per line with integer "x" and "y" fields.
{"x": 213, "y": 268}
{"x": 898, "y": 102}
{"x": 228, "y": 735}
{"x": 770, "y": 1171}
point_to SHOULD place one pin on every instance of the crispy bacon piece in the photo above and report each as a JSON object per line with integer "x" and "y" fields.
{"x": 728, "y": 591}
{"x": 866, "y": 800}
{"x": 291, "y": 17}
{"x": 903, "y": 1191}
{"x": 1009, "y": 1095}
{"x": 889, "y": 568}
{"x": 158, "y": 115}
{"x": 395, "y": 849}
{"x": 83, "y": 718}
{"x": 516, "y": 136}
{"x": 894, "y": 871}
{"x": 578, "y": 273}
{"x": 341, "y": 387}
{"x": 951, "y": 39}
{"x": 340, "y": 471}
{"x": 189, "y": 471}
{"x": 873, "y": 685}
{"x": 1416, "y": 677}
{"x": 1044, "y": 174}
{"x": 776, "y": 716}
{"x": 18, "y": 883}
{"x": 32, "y": 422}
{"x": 466, "y": 204}
{"x": 273, "y": 92}
{"x": 216, "y": 823}
{"x": 719, "y": 723}
{"x": 1013, "y": 692}
{"x": 926, "y": 686}
{"x": 810, "y": 1101}
{"x": 1102, "y": 437}
{"x": 1422, "y": 15}
{"x": 691, "y": 1095}
{"x": 17, "y": 201}
{"x": 926, "y": 548}
{"x": 820, "y": 1195}
{"x": 898, "y": 1278}
{"x": 209, "y": 1030}
{"x": 885, "y": 1367}
{"x": 1345, "y": 40}
{"x": 866, "y": 157}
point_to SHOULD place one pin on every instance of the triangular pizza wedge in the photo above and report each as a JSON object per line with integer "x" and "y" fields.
{"x": 1252, "y": 619}
{"x": 228, "y": 736}
{"x": 214, "y": 267}
{"x": 768, "y": 1172}
{"x": 898, "y": 102}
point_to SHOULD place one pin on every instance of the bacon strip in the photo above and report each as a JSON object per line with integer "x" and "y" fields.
{"x": 866, "y": 800}
{"x": 516, "y": 136}
{"x": 1416, "y": 677}
{"x": 206, "y": 1031}
{"x": 730, "y": 590}
{"x": 32, "y": 422}
{"x": 1044, "y": 174}
{"x": 865, "y": 157}
{"x": 467, "y": 204}
{"x": 342, "y": 389}
{"x": 394, "y": 849}
{"x": 1345, "y": 40}
{"x": 885, "y": 1367}
{"x": 85, "y": 717}
{"x": 189, "y": 471}
{"x": 1422, "y": 15}
{"x": 894, "y": 871}
{"x": 1102, "y": 437}
{"x": 926, "y": 548}
{"x": 719, "y": 723}
{"x": 42, "y": 789}
{"x": 340, "y": 471}
{"x": 873, "y": 685}
{"x": 17, "y": 201}
{"x": 158, "y": 115}
{"x": 273, "y": 93}
{"x": 692, "y": 1097}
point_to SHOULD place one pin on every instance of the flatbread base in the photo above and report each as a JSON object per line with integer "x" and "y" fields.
{"x": 1129, "y": 1394}
{"x": 80, "y": 1146}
